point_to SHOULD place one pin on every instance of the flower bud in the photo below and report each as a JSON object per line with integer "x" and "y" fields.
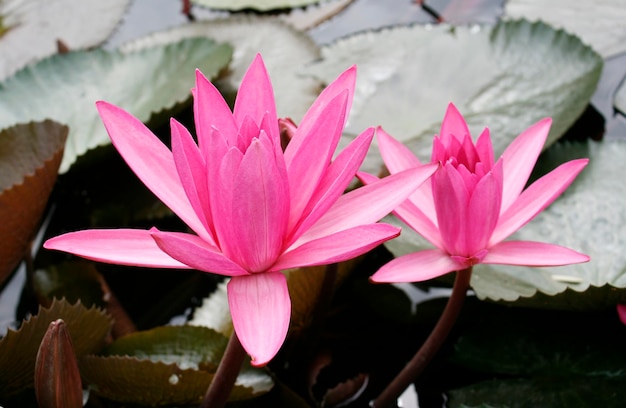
{"x": 57, "y": 378}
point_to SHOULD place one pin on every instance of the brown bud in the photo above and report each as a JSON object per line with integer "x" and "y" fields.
{"x": 57, "y": 378}
{"x": 287, "y": 128}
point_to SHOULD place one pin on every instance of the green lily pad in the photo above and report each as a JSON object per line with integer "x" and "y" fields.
{"x": 187, "y": 346}
{"x": 39, "y": 24}
{"x": 65, "y": 87}
{"x": 261, "y": 5}
{"x": 164, "y": 366}
{"x": 284, "y": 50}
{"x": 504, "y": 77}
{"x": 18, "y": 349}
{"x": 589, "y": 217}
{"x": 30, "y": 155}
{"x": 583, "y": 18}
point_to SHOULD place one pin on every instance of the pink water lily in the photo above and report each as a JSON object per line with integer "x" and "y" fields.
{"x": 254, "y": 210}
{"x": 473, "y": 203}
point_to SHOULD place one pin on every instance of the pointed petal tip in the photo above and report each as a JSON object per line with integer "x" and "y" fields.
{"x": 200, "y": 77}
{"x": 546, "y": 120}
{"x": 106, "y": 108}
{"x": 258, "y": 63}
{"x": 50, "y": 243}
{"x": 452, "y": 112}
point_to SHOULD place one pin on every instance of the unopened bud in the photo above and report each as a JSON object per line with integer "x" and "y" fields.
{"x": 287, "y": 129}
{"x": 57, "y": 378}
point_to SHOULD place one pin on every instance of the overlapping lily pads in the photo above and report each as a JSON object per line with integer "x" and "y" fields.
{"x": 581, "y": 18}
{"x": 18, "y": 349}
{"x": 284, "y": 51}
{"x": 505, "y": 77}
{"x": 65, "y": 87}
{"x": 30, "y": 29}
{"x": 165, "y": 366}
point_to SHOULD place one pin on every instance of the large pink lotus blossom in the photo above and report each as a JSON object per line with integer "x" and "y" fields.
{"x": 473, "y": 203}
{"x": 254, "y": 209}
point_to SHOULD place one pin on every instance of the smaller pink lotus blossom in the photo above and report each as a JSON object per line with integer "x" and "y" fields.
{"x": 473, "y": 203}
{"x": 253, "y": 209}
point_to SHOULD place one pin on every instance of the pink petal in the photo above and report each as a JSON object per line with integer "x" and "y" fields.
{"x": 261, "y": 310}
{"x": 529, "y": 253}
{"x": 453, "y": 125}
{"x": 191, "y": 250}
{"x": 192, "y": 172}
{"x": 248, "y": 130}
{"x": 484, "y": 149}
{"x": 398, "y": 157}
{"x": 260, "y": 207}
{"x": 416, "y": 267}
{"x": 334, "y": 182}
{"x": 536, "y": 198}
{"x": 483, "y": 210}
{"x": 151, "y": 161}
{"x": 519, "y": 160}
{"x": 115, "y": 246}
{"x": 368, "y": 204}
{"x": 211, "y": 111}
{"x": 451, "y": 199}
{"x": 255, "y": 97}
{"x": 316, "y": 151}
{"x": 337, "y": 247}
{"x": 411, "y": 215}
{"x": 221, "y": 192}
{"x": 345, "y": 82}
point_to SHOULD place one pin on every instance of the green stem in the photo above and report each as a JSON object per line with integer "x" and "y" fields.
{"x": 433, "y": 343}
{"x": 219, "y": 390}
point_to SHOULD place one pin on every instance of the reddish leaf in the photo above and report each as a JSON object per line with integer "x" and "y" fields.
{"x": 30, "y": 155}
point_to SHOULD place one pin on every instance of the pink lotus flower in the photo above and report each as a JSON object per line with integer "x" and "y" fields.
{"x": 472, "y": 203}
{"x": 255, "y": 209}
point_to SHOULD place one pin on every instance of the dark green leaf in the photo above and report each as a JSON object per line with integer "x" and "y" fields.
{"x": 505, "y": 77}
{"x": 41, "y": 23}
{"x": 166, "y": 365}
{"x": 143, "y": 82}
{"x": 18, "y": 349}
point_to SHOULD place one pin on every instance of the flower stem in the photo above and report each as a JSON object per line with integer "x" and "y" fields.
{"x": 433, "y": 343}
{"x": 219, "y": 390}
